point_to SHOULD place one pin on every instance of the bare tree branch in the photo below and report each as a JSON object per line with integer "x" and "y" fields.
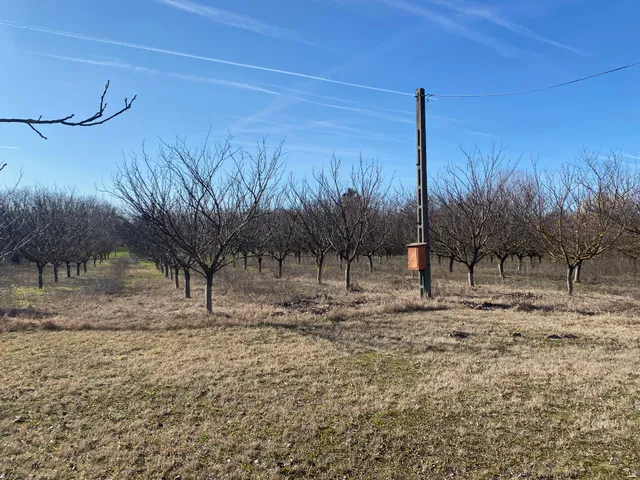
{"x": 95, "y": 119}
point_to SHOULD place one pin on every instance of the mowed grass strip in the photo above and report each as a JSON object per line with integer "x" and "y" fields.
{"x": 276, "y": 386}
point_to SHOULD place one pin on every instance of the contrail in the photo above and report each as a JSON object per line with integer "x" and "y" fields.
{"x": 195, "y": 57}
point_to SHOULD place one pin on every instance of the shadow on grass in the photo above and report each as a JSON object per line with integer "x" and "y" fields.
{"x": 28, "y": 312}
{"x": 359, "y": 334}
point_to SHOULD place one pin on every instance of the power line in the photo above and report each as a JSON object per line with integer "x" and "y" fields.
{"x": 435, "y": 95}
{"x": 196, "y": 57}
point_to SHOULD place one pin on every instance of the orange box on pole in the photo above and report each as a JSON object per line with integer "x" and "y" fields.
{"x": 417, "y": 253}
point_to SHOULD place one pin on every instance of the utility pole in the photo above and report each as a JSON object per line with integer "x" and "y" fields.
{"x": 423, "y": 201}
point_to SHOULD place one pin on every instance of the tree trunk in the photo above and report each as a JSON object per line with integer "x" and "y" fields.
{"x": 450, "y": 264}
{"x": 635, "y": 267}
{"x": 280, "y": 262}
{"x": 259, "y": 264}
{"x": 187, "y": 283}
{"x": 68, "y": 269}
{"x": 78, "y": 268}
{"x": 40, "y": 270}
{"x": 570, "y": 270}
{"x": 209, "y": 291}
{"x": 370, "y": 262}
{"x": 299, "y": 255}
{"x": 491, "y": 259}
{"x": 380, "y": 259}
{"x": 177, "y": 270}
{"x": 244, "y": 259}
{"x": 530, "y": 262}
{"x": 472, "y": 282}
{"x": 84, "y": 266}
{"x": 539, "y": 259}
{"x": 319, "y": 264}
{"x": 520, "y": 263}
{"x": 166, "y": 271}
{"x": 577, "y": 273}
{"x": 501, "y": 267}
{"x": 347, "y": 275}
{"x": 94, "y": 261}
{"x": 170, "y": 271}
{"x": 439, "y": 260}
{"x": 55, "y": 274}
{"x": 115, "y": 253}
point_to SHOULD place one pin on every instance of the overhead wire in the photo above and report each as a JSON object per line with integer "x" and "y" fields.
{"x": 534, "y": 90}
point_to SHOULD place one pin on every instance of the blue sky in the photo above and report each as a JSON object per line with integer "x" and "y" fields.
{"x": 52, "y": 68}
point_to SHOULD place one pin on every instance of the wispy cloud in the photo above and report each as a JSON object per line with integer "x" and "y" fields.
{"x": 491, "y": 15}
{"x": 409, "y": 113}
{"x": 7, "y": 147}
{"x": 181, "y": 76}
{"x": 321, "y": 127}
{"x": 631, "y": 156}
{"x": 478, "y": 134}
{"x": 362, "y": 111}
{"x": 341, "y": 152}
{"x": 454, "y": 27}
{"x": 98, "y": 62}
{"x": 175, "y": 53}
{"x": 236, "y": 20}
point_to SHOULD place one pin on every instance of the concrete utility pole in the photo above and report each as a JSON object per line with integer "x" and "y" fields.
{"x": 423, "y": 202}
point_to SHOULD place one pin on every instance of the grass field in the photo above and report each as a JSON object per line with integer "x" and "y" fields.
{"x": 114, "y": 375}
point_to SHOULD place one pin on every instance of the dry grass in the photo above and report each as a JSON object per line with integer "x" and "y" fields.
{"x": 115, "y": 375}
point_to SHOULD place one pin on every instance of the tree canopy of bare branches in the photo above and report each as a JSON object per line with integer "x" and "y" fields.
{"x": 348, "y": 206}
{"x": 57, "y": 227}
{"x": 469, "y": 207}
{"x": 199, "y": 201}
{"x": 579, "y": 212}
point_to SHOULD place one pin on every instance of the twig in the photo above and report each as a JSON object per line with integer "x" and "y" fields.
{"x": 95, "y": 119}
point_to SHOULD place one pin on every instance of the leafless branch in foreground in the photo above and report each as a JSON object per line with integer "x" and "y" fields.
{"x": 97, "y": 118}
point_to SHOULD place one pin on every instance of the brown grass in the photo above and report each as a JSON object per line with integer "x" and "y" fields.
{"x": 115, "y": 375}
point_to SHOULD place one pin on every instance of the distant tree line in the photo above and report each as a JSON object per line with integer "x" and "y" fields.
{"x": 56, "y": 228}
{"x": 485, "y": 207}
{"x": 197, "y": 210}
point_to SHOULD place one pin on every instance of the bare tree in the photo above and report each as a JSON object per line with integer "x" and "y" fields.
{"x": 36, "y": 219}
{"x": 629, "y": 246}
{"x": 382, "y": 219}
{"x": 201, "y": 199}
{"x": 10, "y": 221}
{"x": 577, "y": 212}
{"x": 469, "y": 207}
{"x": 516, "y": 235}
{"x": 258, "y": 238}
{"x": 348, "y": 207}
{"x": 284, "y": 237}
{"x": 403, "y": 223}
{"x": 98, "y": 118}
{"x": 308, "y": 204}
